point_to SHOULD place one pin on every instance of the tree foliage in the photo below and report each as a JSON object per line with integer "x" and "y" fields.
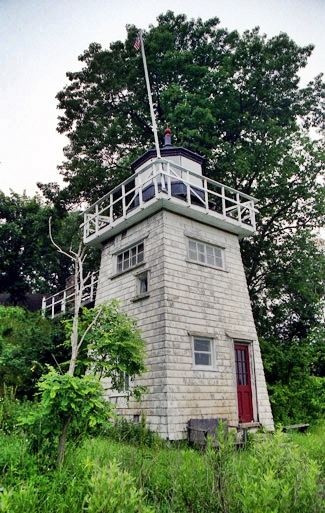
{"x": 114, "y": 347}
{"x": 72, "y": 403}
{"x": 28, "y": 261}
{"x": 67, "y": 403}
{"x": 27, "y": 343}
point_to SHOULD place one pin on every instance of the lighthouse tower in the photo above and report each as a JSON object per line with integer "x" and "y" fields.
{"x": 171, "y": 256}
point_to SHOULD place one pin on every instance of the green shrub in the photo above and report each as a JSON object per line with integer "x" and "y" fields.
{"x": 124, "y": 430}
{"x": 275, "y": 476}
{"x": 295, "y": 402}
{"x": 11, "y": 409}
{"x": 112, "y": 490}
{"x": 67, "y": 402}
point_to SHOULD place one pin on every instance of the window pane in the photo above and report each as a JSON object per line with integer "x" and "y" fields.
{"x": 119, "y": 263}
{"x": 133, "y": 256}
{"x": 201, "y": 250}
{"x": 210, "y": 255}
{"x": 143, "y": 282}
{"x": 140, "y": 252}
{"x": 201, "y": 344}
{"x": 126, "y": 260}
{"x": 192, "y": 254}
{"x": 202, "y": 359}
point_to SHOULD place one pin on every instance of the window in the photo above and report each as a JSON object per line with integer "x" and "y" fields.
{"x": 124, "y": 382}
{"x": 142, "y": 283}
{"x": 205, "y": 254}
{"x": 203, "y": 352}
{"x": 130, "y": 257}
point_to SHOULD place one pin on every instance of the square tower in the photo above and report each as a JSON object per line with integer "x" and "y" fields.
{"x": 171, "y": 256}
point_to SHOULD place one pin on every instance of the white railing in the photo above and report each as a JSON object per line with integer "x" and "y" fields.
{"x": 165, "y": 180}
{"x": 62, "y": 301}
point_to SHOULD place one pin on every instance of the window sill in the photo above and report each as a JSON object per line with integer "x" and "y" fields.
{"x": 140, "y": 296}
{"x": 202, "y": 264}
{"x": 118, "y": 395}
{"x": 116, "y": 275}
{"x": 204, "y": 368}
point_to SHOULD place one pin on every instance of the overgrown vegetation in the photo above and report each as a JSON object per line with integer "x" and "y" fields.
{"x": 27, "y": 343}
{"x": 130, "y": 471}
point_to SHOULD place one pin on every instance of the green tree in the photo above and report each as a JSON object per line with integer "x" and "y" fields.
{"x": 28, "y": 261}
{"x": 72, "y": 405}
{"x": 27, "y": 343}
{"x": 237, "y": 100}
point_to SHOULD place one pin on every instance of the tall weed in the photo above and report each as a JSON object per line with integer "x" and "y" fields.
{"x": 276, "y": 476}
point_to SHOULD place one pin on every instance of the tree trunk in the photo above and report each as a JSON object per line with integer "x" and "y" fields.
{"x": 62, "y": 442}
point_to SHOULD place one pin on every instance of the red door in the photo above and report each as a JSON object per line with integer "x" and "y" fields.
{"x": 244, "y": 389}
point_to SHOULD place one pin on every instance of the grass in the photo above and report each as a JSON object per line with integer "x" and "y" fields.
{"x": 277, "y": 473}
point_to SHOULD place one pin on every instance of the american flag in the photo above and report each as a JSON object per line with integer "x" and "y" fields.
{"x": 137, "y": 43}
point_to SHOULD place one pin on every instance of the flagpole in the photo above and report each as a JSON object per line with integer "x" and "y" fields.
{"x": 153, "y": 119}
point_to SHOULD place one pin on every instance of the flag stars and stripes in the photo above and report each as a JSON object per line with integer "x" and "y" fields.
{"x": 137, "y": 43}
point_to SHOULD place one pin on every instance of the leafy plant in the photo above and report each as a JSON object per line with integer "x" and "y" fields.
{"x": 27, "y": 343}
{"x": 112, "y": 489}
{"x": 275, "y": 477}
{"x": 68, "y": 404}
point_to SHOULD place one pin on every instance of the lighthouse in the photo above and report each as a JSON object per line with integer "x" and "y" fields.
{"x": 169, "y": 238}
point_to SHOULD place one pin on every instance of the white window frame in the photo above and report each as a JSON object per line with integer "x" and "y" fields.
{"x": 126, "y": 383}
{"x": 207, "y": 254}
{"x": 130, "y": 257}
{"x": 211, "y": 352}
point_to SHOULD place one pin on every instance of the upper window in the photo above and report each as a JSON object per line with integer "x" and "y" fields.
{"x": 205, "y": 254}
{"x": 130, "y": 257}
{"x": 203, "y": 352}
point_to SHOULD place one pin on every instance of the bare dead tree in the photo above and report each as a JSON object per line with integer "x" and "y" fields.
{"x": 78, "y": 258}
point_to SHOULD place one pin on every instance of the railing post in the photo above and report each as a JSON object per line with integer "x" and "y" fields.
{"x": 111, "y": 209}
{"x": 96, "y": 219}
{"x": 43, "y": 306}
{"x": 238, "y": 207}
{"x": 85, "y": 226}
{"x": 123, "y": 201}
{"x": 155, "y": 178}
{"x": 63, "y": 301}
{"x": 206, "y": 196}
{"x": 52, "y": 308}
{"x": 163, "y": 182}
{"x": 252, "y": 214}
{"x": 188, "y": 189}
{"x": 91, "y": 286}
{"x": 223, "y": 199}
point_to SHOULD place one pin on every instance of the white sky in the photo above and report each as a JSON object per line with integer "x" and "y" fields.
{"x": 40, "y": 41}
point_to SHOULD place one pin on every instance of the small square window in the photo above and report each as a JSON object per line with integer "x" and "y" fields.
{"x": 142, "y": 283}
{"x": 203, "y": 352}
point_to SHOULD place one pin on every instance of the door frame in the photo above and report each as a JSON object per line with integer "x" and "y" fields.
{"x": 252, "y": 376}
